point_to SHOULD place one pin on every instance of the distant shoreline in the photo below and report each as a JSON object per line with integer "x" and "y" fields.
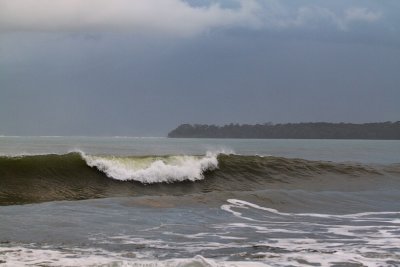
{"x": 310, "y": 130}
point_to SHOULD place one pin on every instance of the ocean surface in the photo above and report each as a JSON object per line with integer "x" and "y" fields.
{"x": 123, "y": 201}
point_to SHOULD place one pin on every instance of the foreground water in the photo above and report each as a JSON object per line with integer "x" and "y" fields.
{"x": 198, "y": 202}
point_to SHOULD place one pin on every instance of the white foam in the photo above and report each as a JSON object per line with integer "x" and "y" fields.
{"x": 22, "y": 256}
{"x": 368, "y": 244}
{"x": 150, "y": 170}
{"x": 190, "y": 245}
{"x": 244, "y": 204}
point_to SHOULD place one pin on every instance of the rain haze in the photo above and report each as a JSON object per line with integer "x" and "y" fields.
{"x": 140, "y": 68}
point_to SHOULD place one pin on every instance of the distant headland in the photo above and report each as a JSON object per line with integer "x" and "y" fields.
{"x": 309, "y": 130}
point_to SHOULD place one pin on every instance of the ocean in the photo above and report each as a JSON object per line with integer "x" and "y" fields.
{"x": 124, "y": 201}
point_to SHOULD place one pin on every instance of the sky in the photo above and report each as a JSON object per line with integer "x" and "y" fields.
{"x": 142, "y": 67}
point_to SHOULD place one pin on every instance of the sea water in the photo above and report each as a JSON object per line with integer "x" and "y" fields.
{"x": 122, "y": 201}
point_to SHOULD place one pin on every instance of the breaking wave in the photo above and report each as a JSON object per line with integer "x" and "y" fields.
{"x": 149, "y": 170}
{"x": 76, "y": 175}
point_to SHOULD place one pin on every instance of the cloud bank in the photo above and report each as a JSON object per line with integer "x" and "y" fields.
{"x": 170, "y": 17}
{"x": 160, "y": 16}
{"x": 313, "y": 16}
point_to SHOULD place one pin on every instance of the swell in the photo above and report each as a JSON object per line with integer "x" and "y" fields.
{"x": 74, "y": 176}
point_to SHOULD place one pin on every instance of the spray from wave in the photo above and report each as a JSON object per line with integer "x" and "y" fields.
{"x": 149, "y": 170}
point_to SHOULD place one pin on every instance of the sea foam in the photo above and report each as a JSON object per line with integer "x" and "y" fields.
{"x": 152, "y": 169}
{"x": 28, "y": 256}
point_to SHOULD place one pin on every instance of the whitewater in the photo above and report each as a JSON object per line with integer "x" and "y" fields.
{"x": 150, "y": 170}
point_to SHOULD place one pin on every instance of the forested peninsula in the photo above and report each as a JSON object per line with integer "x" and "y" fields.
{"x": 311, "y": 130}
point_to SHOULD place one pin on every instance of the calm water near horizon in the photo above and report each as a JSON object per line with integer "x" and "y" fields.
{"x": 368, "y": 151}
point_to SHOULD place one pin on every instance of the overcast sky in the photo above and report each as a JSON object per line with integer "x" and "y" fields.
{"x": 142, "y": 67}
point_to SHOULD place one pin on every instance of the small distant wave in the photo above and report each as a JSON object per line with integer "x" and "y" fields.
{"x": 76, "y": 175}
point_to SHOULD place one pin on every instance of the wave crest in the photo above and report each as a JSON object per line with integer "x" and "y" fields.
{"x": 149, "y": 170}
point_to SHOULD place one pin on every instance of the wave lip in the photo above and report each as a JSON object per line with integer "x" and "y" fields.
{"x": 149, "y": 170}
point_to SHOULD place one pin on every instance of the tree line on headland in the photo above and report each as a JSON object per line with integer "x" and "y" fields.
{"x": 310, "y": 130}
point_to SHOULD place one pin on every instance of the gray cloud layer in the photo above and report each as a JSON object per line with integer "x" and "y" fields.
{"x": 171, "y": 17}
{"x": 165, "y": 16}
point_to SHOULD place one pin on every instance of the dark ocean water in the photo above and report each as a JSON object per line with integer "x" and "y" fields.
{"x": 188, "y": 202}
